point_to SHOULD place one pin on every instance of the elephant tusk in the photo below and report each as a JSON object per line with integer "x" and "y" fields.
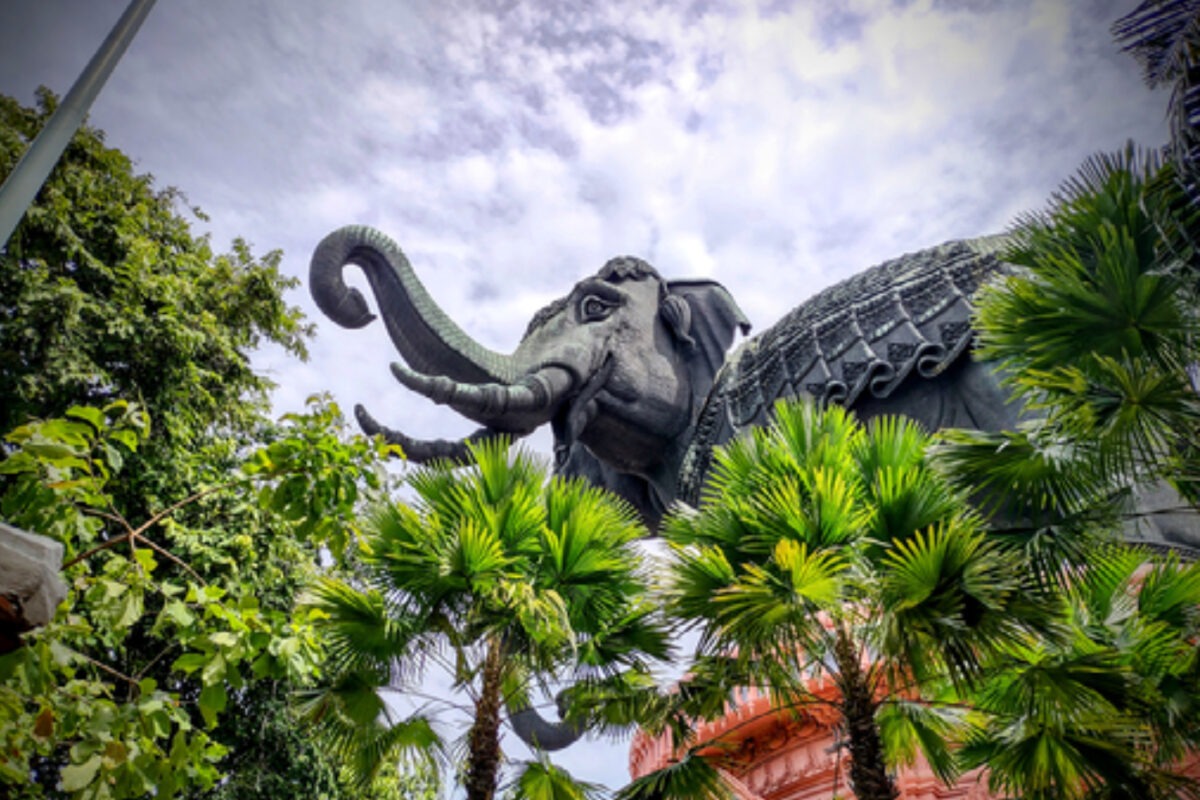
{"x": 493, "y": 403}
{"x": 421, "y": 451}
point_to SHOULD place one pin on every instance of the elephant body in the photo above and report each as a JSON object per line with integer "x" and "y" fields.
{"x": 631, "y": 371}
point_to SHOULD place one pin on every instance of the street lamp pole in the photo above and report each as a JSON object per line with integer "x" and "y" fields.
{"x": 22, "y": 185}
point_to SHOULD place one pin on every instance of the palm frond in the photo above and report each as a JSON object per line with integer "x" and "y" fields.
{"x": 1048, "y": 501}
{"x": 371, "y": 750}
{"x": 774, "y": 606}
{"x": 689, "y": 778}
{"x": 360, "y": 630}
{"x": 892, "y": 442}
{"x": 1164, "y": 36}
{"x": 908, "y": 500}
{"x": 1170, "y": 593}
{"x": 616, "y": 703}
{"x": 541, "y": 780}
{"x": 909, "y": 727}
{"x": 1095, "y": 277}
{"x": 637, "y": 633}
{"x": 351, "y": 719}
{"x": 953, "y": 601}
{"x": 1057, "y": 725}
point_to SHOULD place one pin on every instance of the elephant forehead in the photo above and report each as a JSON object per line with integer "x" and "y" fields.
{"x": 569, "y": 334}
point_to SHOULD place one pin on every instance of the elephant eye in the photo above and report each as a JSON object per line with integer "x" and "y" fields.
{"x": 592, "y": 308}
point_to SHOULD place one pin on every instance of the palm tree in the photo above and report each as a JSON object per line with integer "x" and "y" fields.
{"x": 1107, "y": 711}
{"x": 507, "y": 580}
{"x": 823, "y": 546}
{"x": 1097, "y": 332}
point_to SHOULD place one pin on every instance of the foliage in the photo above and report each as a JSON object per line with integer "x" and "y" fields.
{"x": 1107, "y": 711}
{"x": 690, "y": 776}
{"x": 164, "y": 628}
{"x": 506, "y": 582}
{"x": 824, "y": 547}
{"x": 1164, "y": 36}
{"x": 541, "y": 780}
{"x": 1098, "y": 333}
{"x": 106, "y": 294}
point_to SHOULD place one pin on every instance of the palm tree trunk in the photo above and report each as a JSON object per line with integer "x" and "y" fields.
{"x": 483, "y": 741}
{"x": 868, "y": 770}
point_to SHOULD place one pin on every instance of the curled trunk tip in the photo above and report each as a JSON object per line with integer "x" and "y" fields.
{"x": 422, "y": 332}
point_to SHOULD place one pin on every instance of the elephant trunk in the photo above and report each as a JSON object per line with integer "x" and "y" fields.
{"x": 422, "y": 451}
{"x": 428, "y": 340}
{"x": 519, "y": 407}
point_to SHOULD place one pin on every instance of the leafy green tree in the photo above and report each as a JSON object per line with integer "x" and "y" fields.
{"x": 164, "y": 632}
{"x": 107, "y": 296}
{"x": 503, "y": 578}
{"x": 826, "y": 547}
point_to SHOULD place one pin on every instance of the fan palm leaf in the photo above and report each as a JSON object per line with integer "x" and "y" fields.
{"x": 689, "y": 778}
{"x": 1164, "y": 36}
{"x": 541, "y": 780}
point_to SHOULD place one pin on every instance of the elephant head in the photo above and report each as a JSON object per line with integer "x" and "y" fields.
{"x": 619, "y": 368}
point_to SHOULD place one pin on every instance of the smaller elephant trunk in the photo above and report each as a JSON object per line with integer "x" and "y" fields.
{"x": 518, "y": 407}
{"x": 422, "y": 451}
{"x": 538, "y": 733}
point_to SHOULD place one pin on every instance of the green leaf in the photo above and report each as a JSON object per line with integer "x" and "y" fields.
{"x": 51, "y": 451}
{"x": 691, "y": 777}
{"x": 131, "y": 608}
{"x": 214, "y": 670}
{"x": 212, "y": 702}
{"x": 179, "y": 613}
{"x": 541, "y": 780}
{"x": 190, "y": 662}
{"x": 113, "y": 456}
{"x": 125, "y": 437}
{"x": 76, "y": 777}
{"x": 223, "y": 639}
{"x": 145, "y": 558}
{"x": 92, "y": 416}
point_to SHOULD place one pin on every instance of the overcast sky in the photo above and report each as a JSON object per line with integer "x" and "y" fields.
{"x": 512, "y": 148}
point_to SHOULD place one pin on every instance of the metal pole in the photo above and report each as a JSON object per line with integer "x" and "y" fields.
{"x": 21, "y": 187}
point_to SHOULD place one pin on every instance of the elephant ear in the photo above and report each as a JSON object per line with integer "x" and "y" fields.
{"x": 714, "y": 319}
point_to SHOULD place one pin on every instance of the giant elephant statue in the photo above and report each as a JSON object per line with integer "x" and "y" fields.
{"x": 630, "y": 371}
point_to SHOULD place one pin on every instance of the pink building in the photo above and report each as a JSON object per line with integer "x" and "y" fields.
{"x": 793, "y": 755}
